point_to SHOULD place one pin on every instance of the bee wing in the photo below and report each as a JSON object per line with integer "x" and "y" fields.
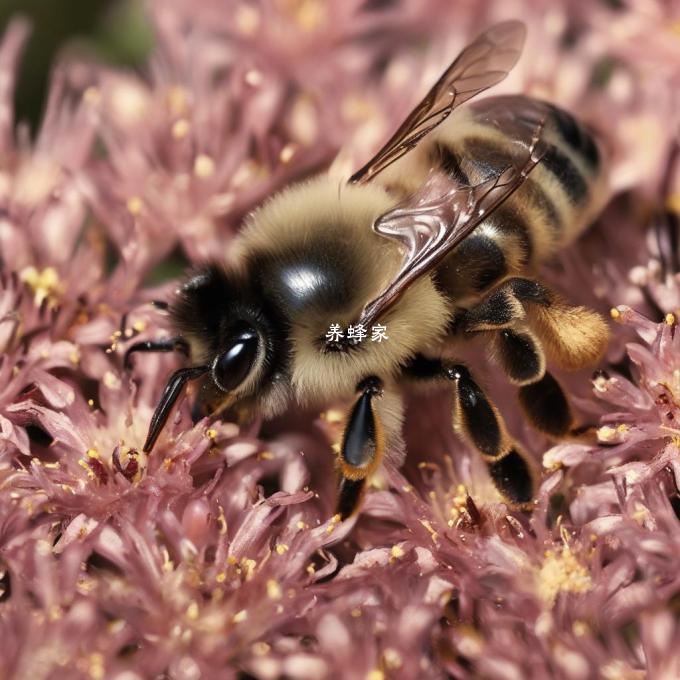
{"x": 483, "y": 63}
{"x": 442, "y": 213}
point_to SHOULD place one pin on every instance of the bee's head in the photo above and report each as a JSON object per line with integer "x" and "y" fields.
{"x": 229, "y": 331}
{"x": 235, "y": 345}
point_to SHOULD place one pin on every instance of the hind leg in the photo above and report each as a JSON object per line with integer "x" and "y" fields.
{"x": 526, "y": 322}
{"x": 478, "y": 421}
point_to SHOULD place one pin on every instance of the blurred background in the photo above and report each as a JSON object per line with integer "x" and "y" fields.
{"x": 115, "y": 31}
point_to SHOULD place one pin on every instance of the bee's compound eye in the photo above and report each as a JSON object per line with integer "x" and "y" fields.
{"x": 232, "y": 367}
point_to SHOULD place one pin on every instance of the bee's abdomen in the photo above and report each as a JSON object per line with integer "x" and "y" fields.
{"x": 552, "y": 206}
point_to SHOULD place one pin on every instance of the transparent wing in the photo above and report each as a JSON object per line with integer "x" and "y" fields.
{"x": 483, "y": 63}
{"x": 436, "y": 219}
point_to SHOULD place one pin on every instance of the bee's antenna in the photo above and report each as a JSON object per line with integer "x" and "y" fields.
{"x": 177, "y": 344}
{"x": 170, "y": 394}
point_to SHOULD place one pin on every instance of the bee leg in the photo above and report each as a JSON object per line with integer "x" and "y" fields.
{"x": 573, "y": 337}
{"x": 177, "y": 344}
{"x": 362, "y": 447}
{"x": 547, "y": 408}
{"x": 532, "y": 324}
{"x": 501, "y": 308}
{"x": 520, "y": 355}
{"x": 483, "y": 426}
{"x": 478, "y": 420}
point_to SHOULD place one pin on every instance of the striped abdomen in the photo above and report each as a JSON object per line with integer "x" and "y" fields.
{"x": 554, "y": 204}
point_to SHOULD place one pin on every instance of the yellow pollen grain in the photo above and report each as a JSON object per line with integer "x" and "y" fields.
{"x": 392, "y": 658}
{"x": 254, "y": 78}
{"x": 83, "y": 464}
{"x": 433, "y": 534}
{"x": 116, "y": 626}
{"x": 204, "y": 166}
{"x": 221, "y": 577}
{"x": 615, "y": 313}
{"x": 356, "y": 613}
{"x": 550, "y": 462}
{"x": 396, "y": 552}
{"x": 249, "y": 565}
{"x": 333, "y": 416}
{"x": 274, "y": 591}
{"x": 96, "y": 666}
{"x": 180, "y": 128}
{"x": 55, "y": 613}
{"x": 632, "y": 476}
{"x": 74, "y": 357}
{"x": 45, "y": 284}
{"x": 222, "y": 521}
{"x": 247, "y": 18}
{"x": 375, "y": 674}
{"x": 580, "y": 628}
{"x": 606, "y": 433}
{"x": 311, "y": 569}
{"x": 619, "y": 670}
{"x": 286, "y": 154}
{"x": 177, "y": 100}
{"x": 310, "y": 15}
{"x": 211, "y": 433}
{"x": 670, "y": 319}
{"x": 168, "y": 564}
{"x": 134, "y": 205}
{"x": 562, "y": 572}
{"x": 232, "y": 560}
{"x": 192, "y": 611}
{"x": 265, "y": 455}
{"x": 600, "y": 383}
{"x": 281, "y": 548}
{"x": 92, "y": 95}
{"x": 641, "y": 514}
{"x": 301, "y": 525}
{"x": 261, "y": 648}
{"x": 335, "y": 520}
{"x": 111, "y": 380}
{"x": 139, "y": 326}
{"x": 92, "y": 453}
{"x": 240, "y": 616}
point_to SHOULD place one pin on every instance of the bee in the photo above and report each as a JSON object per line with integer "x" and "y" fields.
{"x": 437, "y": 238}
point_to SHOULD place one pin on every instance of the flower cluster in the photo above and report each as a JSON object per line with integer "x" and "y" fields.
{"x": 218, "y": 555}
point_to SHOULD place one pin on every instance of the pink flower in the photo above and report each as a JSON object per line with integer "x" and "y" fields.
{"x": 217, "y": 556}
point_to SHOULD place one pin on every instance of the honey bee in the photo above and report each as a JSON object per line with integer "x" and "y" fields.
{"x": 437, "y": 238}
